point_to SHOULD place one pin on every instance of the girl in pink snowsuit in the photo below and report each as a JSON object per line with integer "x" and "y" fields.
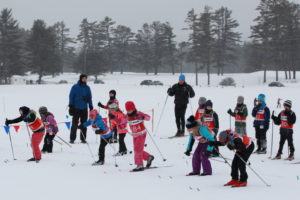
{"x": 139, "y": 132}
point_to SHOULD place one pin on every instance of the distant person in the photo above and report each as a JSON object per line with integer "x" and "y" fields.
{"x": 240, "y": 114}
{"x": 182, "y": 92}
{"x": 286, "y": 120}
{"x": 261, "y": 113}
{"x": 80, "y": 99}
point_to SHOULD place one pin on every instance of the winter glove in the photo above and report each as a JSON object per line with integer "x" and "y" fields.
{"x": 99, "y": 131}
{"x": 91, "y": 108}
{"x": 187, "y": 153}
{"x": 71, "y": 110}
{"x": 100, "y": 105}
{"x": 215, "y": 143}
{"x": 229, "y": 111}
{"x": 111, "y": 116}
{"x": 255, "y": 102}
{"x": 208, "y": 153}
{"x": 7, "y": 122}
{"x": 80, "y": 126}
{"x": 169, "y": 91}
{"x": 230, "y": 147}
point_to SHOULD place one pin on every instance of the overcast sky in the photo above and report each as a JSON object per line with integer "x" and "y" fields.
{"x": 132, "y": 13}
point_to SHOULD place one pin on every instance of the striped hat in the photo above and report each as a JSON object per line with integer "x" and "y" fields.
{"x": 288, "y": 103}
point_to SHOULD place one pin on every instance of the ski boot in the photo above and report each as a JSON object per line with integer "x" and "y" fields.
{"x": 291, "y": 157}
{"x": 277, "y": 157}
{"x": 99, "y": 162}
{"x": 149, "y": 161}
{"x": 206, "y": 174}
{"x": 138, "y": 168}
{"x": 263, "y": 151}
{"x": 240, "y": 184}
{"x": 33, "y": 159}
{"x": 193, "y": 174}
{"x": 232, "y": 183}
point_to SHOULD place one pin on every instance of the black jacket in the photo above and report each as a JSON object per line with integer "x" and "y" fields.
{"x": 291, "y": 117}
{"x": 182, "y": 93}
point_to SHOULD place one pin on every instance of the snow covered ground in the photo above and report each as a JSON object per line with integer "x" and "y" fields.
{"x": 68, "y": 174}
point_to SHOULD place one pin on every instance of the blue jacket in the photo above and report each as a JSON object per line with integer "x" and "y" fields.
{"x": 99, "y": 123}
{"x": 264, "y": 123}
{"x": 81, "y": 96}
{"x": 205, "y": 133}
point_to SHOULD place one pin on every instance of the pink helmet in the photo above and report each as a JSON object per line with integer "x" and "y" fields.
{"x": 93, "y": 114}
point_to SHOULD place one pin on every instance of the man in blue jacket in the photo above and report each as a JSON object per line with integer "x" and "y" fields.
{"x": 80, "y": 99}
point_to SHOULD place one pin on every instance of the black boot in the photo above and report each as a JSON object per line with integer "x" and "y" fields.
{"x": 149, "y": 161}
{"x": 33, "y": 159}
{"x": 138, "y": 168}
{"x": 99, "y": 162}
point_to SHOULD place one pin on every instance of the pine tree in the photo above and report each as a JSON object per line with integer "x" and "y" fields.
{"x": 11, "y": 47}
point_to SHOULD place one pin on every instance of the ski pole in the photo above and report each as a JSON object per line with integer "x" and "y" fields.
{"x": 163, "y": 158}
{"x": 11, "y": 145}
{"x": 57, "y": 142}
{"x": 161, "y": 114}
{"x": 69, "y": 145}
{"x": 240, "y": 157}
{"x": 230, "y": 121}
{"x": 272, "y": 140}
{"x": 90, "y": 150}
{"x": 113, "y": 147}
{"x": 226, "y": 161}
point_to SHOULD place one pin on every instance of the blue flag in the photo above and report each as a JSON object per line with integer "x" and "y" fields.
{"x": 6, "y": 128}
{"x": 68, "y": 124}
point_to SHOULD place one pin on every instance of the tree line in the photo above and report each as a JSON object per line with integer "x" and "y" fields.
{"x": 214, "y": 45}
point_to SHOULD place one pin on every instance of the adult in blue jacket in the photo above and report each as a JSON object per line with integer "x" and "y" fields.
{"x": 261, "y": 113}
{"x": 80, "y": 99}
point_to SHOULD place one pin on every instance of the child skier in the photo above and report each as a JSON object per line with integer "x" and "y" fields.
{"x": 240, "y": 114}
{"x": 119, "y": 122}
{"x": 37, "y": 127}
{"x": 112, "y": 102}
{"x": 243, "y": 146}
{"x": 51, "y": 129}
{"x": 139, "y": 132}
{"x": 286, "y": 119}
{"x": 261, "y": 123}
{"x": 99, "y": 126}
{"x": 198, "y": 116}
{"x": 203, "y": 135}
{"x": 211, "y": 120}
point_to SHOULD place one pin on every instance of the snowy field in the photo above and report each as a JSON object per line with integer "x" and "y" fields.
{"x": 68, "y": 174}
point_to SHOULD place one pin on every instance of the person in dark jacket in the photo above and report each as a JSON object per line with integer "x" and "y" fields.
{"x": 36, "y": 125}
{"x": 261, "y": 113}
{"x": 243, "y": 146}
{"x": 80, "y": 99}
{"x": 286, "y": 119}
{"x": 182, "y": 92}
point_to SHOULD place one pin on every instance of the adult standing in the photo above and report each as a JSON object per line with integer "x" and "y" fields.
{"x": 80, "y": 99}
{"x": 182, "y": 92}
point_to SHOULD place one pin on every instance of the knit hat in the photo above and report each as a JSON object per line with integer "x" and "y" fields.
{"x": 129, "y": 106}
{"x": 288, "y": 103}
{"x": 223, "y": 136}
{"x": 93, "y": 114}
{"x": 113, "y": 92}
{"x": 43, "y": 110}
{"x": 191, "y": 122}
{"x": 261, "y": 97}
{"x": 25, "y": 110}
{"x": 208, "y": 103}
{"x": 202, "y": 100}
{"x": 240, "y": 99}
{"x": 182, "y": 77}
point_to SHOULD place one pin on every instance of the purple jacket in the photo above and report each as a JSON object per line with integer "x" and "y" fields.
{"x": 50, "y": 124}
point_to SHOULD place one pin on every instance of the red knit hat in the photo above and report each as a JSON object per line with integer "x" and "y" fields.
{"x": 129, "y": 105}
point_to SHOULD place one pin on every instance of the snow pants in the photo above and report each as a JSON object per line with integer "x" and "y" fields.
{"x": 200, "y": 159}
{"x": 36, "y": 139}
{"x": 139, "y": 153}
